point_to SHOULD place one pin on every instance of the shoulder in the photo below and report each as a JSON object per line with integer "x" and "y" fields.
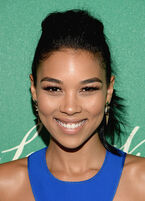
{"x": 132, "y": 181}
{"x": 13, "y": 170}
{"x": 134, "y": 176}
{"x": 13, "y": 179}
{"x": 135, "y": 167}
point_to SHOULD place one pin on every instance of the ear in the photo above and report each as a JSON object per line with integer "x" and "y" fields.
{"x": 110, "y": 89}
{"x": 33, "y": 88}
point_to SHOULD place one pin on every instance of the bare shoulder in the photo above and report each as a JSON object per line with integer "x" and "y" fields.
{"x": 132, "y": 182}
{"x": 135, "y": 167}
{"x": 13, "y": 180}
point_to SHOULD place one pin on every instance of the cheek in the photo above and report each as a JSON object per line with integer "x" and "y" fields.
{"x": 96, "y": 105}
{"x": 46, "y": 105}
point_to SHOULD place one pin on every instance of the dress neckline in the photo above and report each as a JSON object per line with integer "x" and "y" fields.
{"x": 53, "y": 178}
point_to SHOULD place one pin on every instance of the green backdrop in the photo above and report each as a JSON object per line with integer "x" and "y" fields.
{"x": 20, "y": 29}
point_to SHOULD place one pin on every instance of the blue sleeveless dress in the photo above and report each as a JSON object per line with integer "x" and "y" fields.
{"x": 101, "y": 187}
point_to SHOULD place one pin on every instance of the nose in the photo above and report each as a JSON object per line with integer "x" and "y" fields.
{"x": 70, "y": 104}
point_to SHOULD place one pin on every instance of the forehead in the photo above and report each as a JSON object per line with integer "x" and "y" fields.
{"x": 70, "y": 63}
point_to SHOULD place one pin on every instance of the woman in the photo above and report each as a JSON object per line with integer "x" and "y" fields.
{"x": 72, "y": 89}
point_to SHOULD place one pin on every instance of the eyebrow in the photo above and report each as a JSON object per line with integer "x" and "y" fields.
{"x": 94, "y": 79}
{"x": 91, "y": 80}
{"x": 50, "y": 79}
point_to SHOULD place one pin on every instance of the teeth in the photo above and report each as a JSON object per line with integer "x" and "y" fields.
{"x": 72, "y": 125}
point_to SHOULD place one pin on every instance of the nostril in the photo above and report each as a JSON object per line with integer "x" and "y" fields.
{"x": 70, "y": 103}
{"x": 70, "y": 109}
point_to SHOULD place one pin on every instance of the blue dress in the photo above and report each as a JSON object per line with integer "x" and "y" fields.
{"x": 101, "y": 187}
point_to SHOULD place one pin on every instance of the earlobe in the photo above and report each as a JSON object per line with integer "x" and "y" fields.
{"x": 33, "y": 88}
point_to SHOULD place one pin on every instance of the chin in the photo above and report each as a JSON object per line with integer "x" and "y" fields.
{"x": 70, "y": 146}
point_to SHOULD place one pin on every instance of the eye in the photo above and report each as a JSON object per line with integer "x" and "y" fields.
{"x": 90, "y": 89}
{"x": 52, "y": 89}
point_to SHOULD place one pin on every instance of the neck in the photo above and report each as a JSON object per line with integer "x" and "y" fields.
{"x": 90, "y": 156}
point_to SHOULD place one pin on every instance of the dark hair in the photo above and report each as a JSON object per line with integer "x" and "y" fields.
{"x": 77, "y": 29}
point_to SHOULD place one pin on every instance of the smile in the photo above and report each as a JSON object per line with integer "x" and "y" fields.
{"x": 71, "y": 125}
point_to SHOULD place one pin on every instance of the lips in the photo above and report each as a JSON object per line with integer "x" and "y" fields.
{"x": 65, "y": 120}
{"x": 70, "y": 126}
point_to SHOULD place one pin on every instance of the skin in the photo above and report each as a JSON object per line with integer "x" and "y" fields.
{"x": 73, "y": 154}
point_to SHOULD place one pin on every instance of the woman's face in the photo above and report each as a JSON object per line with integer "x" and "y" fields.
{"x": 71, "y": 93}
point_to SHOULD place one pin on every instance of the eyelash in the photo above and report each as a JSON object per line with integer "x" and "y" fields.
{"x": 90, "y": 89}
{"x": 52, "y": 89}
{"x": 57, "y": 89}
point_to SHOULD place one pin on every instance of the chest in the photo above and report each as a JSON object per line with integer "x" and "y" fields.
{"x": 101, "y": 186}
{"x": 80, "y": 194}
